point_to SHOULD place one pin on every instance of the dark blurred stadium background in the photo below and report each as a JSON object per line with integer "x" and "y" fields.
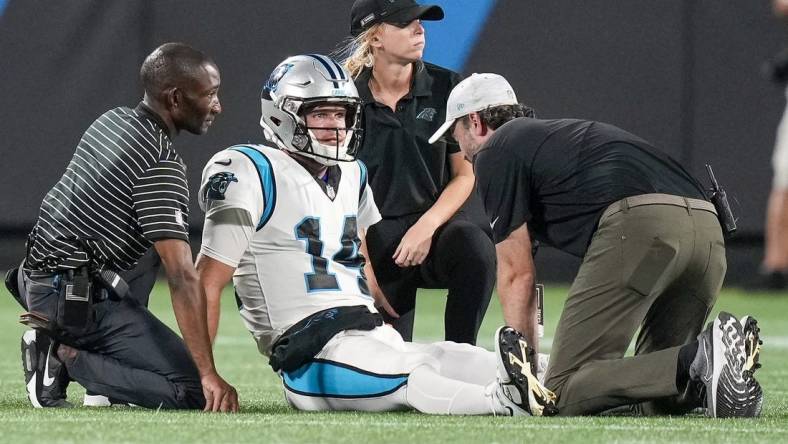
{"x": 684, "y": 74}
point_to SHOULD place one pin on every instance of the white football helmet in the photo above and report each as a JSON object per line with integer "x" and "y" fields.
{"x": 298, "y": 84}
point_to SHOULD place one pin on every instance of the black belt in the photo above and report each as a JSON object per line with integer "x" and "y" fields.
{"x": 116, "y": 288}
{"x": 35, "y": 274}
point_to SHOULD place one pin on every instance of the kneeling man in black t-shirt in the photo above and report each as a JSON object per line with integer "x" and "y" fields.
{"x": 652, "y": 249}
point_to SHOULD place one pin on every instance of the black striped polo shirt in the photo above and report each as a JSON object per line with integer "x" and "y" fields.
{"x": 124, "y": 189}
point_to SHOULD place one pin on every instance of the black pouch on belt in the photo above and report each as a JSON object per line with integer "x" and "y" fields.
{"x": 75, "y": 312}
{"x": 307, "y": 337}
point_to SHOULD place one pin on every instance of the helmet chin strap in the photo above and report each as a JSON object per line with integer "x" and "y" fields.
{"x": 321, "y": 152}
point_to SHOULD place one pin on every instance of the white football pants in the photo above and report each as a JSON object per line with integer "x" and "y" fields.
{"x": 377, "y": 371}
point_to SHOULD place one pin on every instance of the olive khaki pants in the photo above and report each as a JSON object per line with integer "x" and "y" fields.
{"x": 654, "y": 267}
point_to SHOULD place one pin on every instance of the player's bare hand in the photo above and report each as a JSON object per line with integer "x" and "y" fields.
{"x": 415, "y": 245}
{"x": 219, "y": 395}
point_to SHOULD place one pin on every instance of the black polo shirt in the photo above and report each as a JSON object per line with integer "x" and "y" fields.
{"x": 124, "y": 189}
{"x": 406, "y": 173}
{"x": 560, "y": 175}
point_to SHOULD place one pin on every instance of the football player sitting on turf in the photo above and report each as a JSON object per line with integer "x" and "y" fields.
{"x": 285, "y": 221}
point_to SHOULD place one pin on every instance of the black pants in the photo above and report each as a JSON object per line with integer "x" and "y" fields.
{"x": 461, "y": 259}
{"x": 127, "y": 353}
{"x": 142, "y": 277}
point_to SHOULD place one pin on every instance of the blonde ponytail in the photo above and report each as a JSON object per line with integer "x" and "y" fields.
{"x": 356, "y": 53}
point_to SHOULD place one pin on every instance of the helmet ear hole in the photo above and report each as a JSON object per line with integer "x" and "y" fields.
{"x": 275, "y": 121}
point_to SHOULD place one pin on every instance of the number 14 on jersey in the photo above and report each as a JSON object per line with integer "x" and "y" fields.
{"x": 320, "y": 279}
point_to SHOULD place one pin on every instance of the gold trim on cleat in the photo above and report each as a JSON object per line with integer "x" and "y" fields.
{"x": 513, "y": 359}
{"x": 753, "y": 346}
{"x": 541, "y": 401}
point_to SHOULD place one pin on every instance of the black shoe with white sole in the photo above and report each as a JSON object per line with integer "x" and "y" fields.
{"x": 517, "y": 374}
{"x": 721, "y": 364}
{"x": 46, "y": 378}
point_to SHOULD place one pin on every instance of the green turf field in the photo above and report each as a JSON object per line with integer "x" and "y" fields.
{"x": 265, "y": 418}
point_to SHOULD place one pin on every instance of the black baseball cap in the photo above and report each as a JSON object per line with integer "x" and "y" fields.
{"x": 365, "y": 13}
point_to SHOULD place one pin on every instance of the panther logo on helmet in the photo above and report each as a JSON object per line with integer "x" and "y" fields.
{"x": 273, "y": 80}
{"x": 299, "y": 84}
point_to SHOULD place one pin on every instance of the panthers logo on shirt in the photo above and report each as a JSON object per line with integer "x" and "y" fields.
{"x": 427, "y": 114}
{"x": 217, "y": 185}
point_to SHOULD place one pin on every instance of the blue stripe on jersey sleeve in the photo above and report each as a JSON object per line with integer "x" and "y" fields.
{"x": 363, "y": 186}
{"x": 267, "y": 182}
{"x": 335, "y": 380}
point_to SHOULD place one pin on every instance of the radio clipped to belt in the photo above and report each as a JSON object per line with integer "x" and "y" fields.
{"x": 719, "y": 198}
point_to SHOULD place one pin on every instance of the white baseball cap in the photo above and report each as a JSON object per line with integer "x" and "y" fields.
{"x": 477, "y": 92}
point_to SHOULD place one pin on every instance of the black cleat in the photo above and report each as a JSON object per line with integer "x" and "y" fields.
{"x": 752, "y": 344}
{"x": 752, "y": 349}
{"x": 721, "y": 364}
{"x": 46, "y": 378}
{"x": 12, "y": 284}
{"x": 517, "y": 375}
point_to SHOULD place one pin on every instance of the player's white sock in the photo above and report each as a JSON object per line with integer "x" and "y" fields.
{"x": 541, "y": 367}
{"x": 429, "y": 392}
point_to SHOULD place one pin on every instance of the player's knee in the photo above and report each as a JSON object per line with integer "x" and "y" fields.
{"x": 468, "y": 237}
{"x": 471, "y": 247}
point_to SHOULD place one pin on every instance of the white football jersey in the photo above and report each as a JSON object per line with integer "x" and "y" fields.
{"x": 304, "y": 255}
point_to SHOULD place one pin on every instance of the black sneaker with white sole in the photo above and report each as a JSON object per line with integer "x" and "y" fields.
{"x": 721, "y": 365}
{"x": 517, "y": 374}
{"x": 46, "y": 378}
